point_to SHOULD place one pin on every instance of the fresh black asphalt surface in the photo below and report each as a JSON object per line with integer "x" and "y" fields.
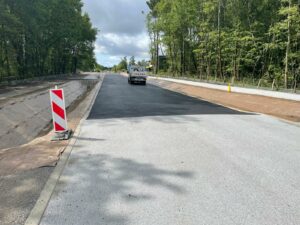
{"x": 117, "y": 99}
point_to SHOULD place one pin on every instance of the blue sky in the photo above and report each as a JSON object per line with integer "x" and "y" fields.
{"x": 122, "y": 28}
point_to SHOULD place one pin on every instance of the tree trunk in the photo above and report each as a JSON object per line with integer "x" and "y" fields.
{"x": 220, "y": 66}
{"x": 75, "y": 61}
{"x": 235, "y": 61}
{"x": 208, "y": 69}
{"x": 286, "y": 71}
{"x": 1, "y": 54}
{"x": 156, "y": 38}
{"x": 7, "y": 62}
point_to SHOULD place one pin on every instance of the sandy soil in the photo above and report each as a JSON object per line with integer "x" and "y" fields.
{"x": 285, "y": 109}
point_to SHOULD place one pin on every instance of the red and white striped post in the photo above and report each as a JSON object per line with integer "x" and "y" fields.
{"x": 59, "y": 114}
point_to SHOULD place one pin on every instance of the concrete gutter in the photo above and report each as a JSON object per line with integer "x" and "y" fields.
{"x": 273, "y": 94}
{"x": 38, "y": 210}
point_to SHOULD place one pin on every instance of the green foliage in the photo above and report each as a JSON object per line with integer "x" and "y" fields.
{"x": 122, "y": 66}
{"x": 44, "y": 37}
{"x": 132, "y": 60}
{"x": 100, "y": 68}
{"x": 228, "y": 39}
{"x": 143, "y": 63}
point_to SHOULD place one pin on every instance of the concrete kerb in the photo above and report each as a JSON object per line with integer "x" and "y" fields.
{"x": 38, "y": 210}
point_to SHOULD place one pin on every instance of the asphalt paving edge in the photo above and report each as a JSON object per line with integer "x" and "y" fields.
{"x": 38, "y": 210}
{"x": 229, "y": 107}
{"x": 235, "y": 89}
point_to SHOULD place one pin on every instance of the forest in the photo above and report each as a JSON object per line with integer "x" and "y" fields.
{"x": 249, "y": 41}
{"x": 123, "y": 64}
{"x": 43, "y": 37}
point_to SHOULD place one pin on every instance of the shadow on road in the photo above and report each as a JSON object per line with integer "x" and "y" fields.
{"x": 19, "y": 192}
{"x": 117, "y": 99}
{"x": 105, "y": 183}
{"x": 88, "y": 139}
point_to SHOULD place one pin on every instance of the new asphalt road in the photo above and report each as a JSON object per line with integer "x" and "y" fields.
{"x": 150, "y": 156}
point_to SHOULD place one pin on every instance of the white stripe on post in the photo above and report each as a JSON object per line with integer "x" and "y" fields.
{"x": 58, "y": 110}
{"x": 60, "y": 121}
{"x": 58, "y": 101}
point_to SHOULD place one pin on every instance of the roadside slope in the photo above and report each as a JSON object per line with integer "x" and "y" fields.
{"x": 24, "y": 170}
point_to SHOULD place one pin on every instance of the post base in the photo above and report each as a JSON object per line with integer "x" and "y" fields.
{"x": 62, "y": 136}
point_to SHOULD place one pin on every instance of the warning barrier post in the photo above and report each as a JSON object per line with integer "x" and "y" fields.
{"x": 59, "y": 115}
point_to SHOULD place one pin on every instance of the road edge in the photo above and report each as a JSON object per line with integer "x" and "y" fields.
{"x": 241, "y": 90}
{"x": 230, "y": 107}
{"x": 41, "y": 204}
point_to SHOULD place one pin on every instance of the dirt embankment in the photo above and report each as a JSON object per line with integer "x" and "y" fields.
{"x": 23, "y": 117}
{"x": 285, "y": 109}
{"x": 41, "y": 151}
{"x": 25, "y": 169}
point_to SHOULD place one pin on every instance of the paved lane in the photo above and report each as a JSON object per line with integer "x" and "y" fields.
{"x": 151, "y": 156}
{"x": 118, "y": 100}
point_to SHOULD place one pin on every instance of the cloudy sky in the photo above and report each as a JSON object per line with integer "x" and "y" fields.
{"x": 122, "y": 28}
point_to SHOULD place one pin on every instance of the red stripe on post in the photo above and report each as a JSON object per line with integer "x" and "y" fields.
{"x": 58, "y": 127}
{"x": 59, "y": 93}
{"x": 59, "y": 111}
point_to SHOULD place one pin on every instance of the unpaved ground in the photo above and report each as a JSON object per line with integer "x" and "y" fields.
{"x": 41, "y": 151}
{"x": 285, "y": 109}
{"x": 24, "y": 170}
{"x": 22, "y": 118}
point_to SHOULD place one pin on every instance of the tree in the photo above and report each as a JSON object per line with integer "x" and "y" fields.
{"x": 143, "y": 63}
{"x": 9, "y": 29}
{"x": 228, "y": 39}
{"x": 132, "y": 60}
{"x": 44, "y": 37}
{"x": 122, "y": 66}
{"x": 287, "y": 32}
{"x": 153, "y": 32}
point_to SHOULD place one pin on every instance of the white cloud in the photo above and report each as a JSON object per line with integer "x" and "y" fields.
{"x": 99, "y": 48}
{"x": 122, "y": 29}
